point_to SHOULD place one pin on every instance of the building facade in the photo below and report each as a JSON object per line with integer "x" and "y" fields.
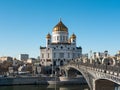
{"x": 6, "y": 58}
{"x": 60, "y": 48}
{"x": 23, "y": 57}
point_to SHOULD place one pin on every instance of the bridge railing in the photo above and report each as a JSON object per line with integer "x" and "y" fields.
{"x": 109, "y": 69}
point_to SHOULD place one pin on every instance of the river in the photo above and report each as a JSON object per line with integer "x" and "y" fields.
{"x": 44, "y": 87}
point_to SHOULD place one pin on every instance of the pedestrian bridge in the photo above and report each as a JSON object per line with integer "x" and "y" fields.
{"x": 99, "y": 76}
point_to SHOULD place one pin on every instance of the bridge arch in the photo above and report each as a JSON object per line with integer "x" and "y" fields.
{"x": 109, "y": 61}
{"x": 83, "y": 72}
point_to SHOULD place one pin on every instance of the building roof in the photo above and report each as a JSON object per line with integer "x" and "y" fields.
{"x": 73, "y": 36}
{"x": 79, "y": 47}
{"x": 48, "y": 36}
{"x": 60, "y": 27}
{"x": 42, "y": 47}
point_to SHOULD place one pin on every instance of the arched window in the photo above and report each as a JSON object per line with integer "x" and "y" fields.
{"x": 61, "y": 63}
{"x": 54, "y": 63}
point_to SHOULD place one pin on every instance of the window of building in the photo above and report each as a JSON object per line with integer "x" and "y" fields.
{"x": 61, "y": 63}
{"x": 54, "y": 55}
{"x": 73, "y": 55}
{"x": 61, "y": 55}
{"x": 54, "y": 63}
{"x": 68, "y": 55}
{"x": 42, "y": 55}
{"x": 57, "y": 37}
{"x": 60, "y": 38}
{"x": 66, "y": 38}
{"x": 48, "y": 55}
{"x": 48, "y": 60}
{"x": 48, "y": 41}
{"x": 63, "y": 38}
{"x": 48, "y": 48}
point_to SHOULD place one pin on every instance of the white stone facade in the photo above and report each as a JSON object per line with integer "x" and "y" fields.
{"x": 60, "y": 49}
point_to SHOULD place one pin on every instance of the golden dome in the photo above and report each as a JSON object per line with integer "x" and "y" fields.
{"x": 48, "y": 36}
{"x": 73, "y": 36}
{"x": 60, "y": 27}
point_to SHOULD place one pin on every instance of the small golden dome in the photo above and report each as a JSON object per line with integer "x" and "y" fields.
{"x": 48, "y": 36}
{"x": 73, "y": 36}
{"x": 60, "y": 27}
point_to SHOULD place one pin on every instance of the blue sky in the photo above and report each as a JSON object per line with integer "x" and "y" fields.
{"x": 25, "y": 23}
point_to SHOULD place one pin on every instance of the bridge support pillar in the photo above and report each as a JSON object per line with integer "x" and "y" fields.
{"x": 93, "y": 87}
{"x": 66, "y": 71}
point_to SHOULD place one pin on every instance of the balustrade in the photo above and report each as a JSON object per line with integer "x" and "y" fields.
{"x": 104, "y": 68}
{"x": 96, "y": 70}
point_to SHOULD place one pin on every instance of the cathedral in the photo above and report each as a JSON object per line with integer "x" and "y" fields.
{"x": 60, "y": 48}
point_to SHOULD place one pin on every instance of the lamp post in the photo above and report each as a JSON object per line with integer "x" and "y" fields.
{"x": 106, "y": 63}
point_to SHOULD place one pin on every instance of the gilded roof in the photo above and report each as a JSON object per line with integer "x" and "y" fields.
{"x": 73, "y": 36}
{"x": 48, "y": 36}
{"x": 60, "y": 27}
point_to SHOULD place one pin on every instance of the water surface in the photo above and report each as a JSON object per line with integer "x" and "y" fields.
{"x": 44, "y": 87}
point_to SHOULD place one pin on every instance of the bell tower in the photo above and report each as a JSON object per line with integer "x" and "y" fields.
{"x": 48, "y": 39}
{"x": 73, "y": 39}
